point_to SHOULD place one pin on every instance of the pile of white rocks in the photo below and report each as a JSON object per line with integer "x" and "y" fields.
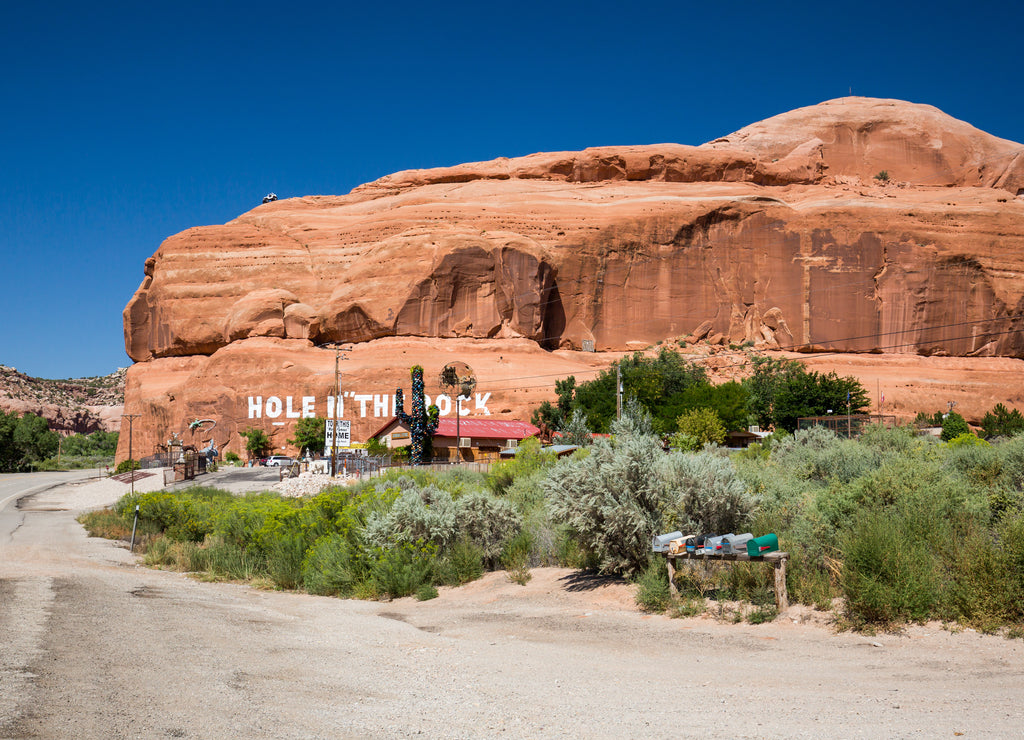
{"x": 307, "y": 484}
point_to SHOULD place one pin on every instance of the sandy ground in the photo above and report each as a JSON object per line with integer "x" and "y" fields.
{"x": 94, "y": 646}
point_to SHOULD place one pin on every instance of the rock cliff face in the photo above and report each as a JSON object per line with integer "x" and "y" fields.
{"x": 72, "y": 406}
{"x": 779, "y": 236}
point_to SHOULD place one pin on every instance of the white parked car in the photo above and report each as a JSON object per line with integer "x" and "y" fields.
{"x": 278, "y": 460}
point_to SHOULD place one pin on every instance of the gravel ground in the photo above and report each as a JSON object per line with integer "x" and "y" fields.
{"x": 94, "y": 646}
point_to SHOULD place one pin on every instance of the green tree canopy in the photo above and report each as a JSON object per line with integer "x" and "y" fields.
{"x": 310, "y": 434}
{"x": 953, "y": 426}
{"x": 781, "y": 391}
{"x": 1001, "y": 422}
{"x": 25, "y": 440}
{"x": 655, "y": 382}
{"x": 256, "y": 442}
{"x": 697, "y": 427}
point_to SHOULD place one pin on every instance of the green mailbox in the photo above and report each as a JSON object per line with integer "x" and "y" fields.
{"x": 762, "y": 545}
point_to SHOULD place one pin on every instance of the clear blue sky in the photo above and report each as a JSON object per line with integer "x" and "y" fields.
{"x": 122, "y": 123}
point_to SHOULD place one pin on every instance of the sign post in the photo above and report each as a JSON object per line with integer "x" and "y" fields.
{"x": 343, "y": 439}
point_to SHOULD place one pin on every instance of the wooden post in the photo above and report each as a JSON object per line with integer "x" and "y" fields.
{"x": 781, "y": 594}
{"x": 671, "y": 577}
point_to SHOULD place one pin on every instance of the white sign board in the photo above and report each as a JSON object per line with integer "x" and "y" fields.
{"x": 344, "y": 434}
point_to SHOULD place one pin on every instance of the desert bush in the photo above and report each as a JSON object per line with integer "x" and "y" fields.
{"x": 953, "y": 426}
{"x": 105, "y": 523}
{"x": 526, "y": 493}
{"x": 516, "y": 558}
{"x": 418, "y": 515}
{"x": 702, "y": 492}
{"x": 1011, "y": 457}
{"x": 529, "y": 459}
{"x": 488, "y": 522}
{"x": 887, "y": 576}
{"x": 126, "y": 465}
{"x": 462, "y": 562}
{"x": 426, "y": 592}
{"x": 799, "y": 451}
{"x": 399, "y": 571}
{"x": 652, "y": 589}
{"x": 226, "y": 560}
{"x": 610, "y": 498}
{"x": 285, "y": 554}
{"x": 333, "y": 566}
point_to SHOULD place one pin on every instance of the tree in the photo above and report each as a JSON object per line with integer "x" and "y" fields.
{"x": 25, "y": 440}
{"x": 782, "y": 391}
{"x": 728, "y": 400}
{"x": 576, "y": 431}
{"x": 310, "y": 434}
{"x": 611, "y": 499}
{"x": 547, "y": 418}
{"x": 953, "y": 426}
{"x": 1001, "y": 422}
{"x": 256, "y": 442}
{"x": 697, "y": 427}
{"x": 655, "y": 382}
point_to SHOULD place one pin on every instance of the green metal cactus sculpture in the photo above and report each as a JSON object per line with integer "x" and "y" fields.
{"x": 422, "y": 421}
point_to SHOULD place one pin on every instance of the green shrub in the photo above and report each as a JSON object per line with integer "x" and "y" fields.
{"x": 762, "y": 613}
{"x": 702, "y": 493}
{"x": 652, "y": 593}
{"x": 285, "y": 555}
{"x": 516, "y": 558}
{"x": 232, "y": 457}
{"x": 333, "y": 566}
{"x": 401, "y": 570}
{"x": 105, "y": 523}
{"x": 126, "y": 465}
{"x": 529, "y": 459}
{"x": 887, "y": 576}
{"x": 953, "y": 426}
{"x": 487, "y": 521}
{"x": 229, "y": 561}
{"x": 426, "y": 592}
{"x": 462, "y": 562}
{"x": 611, "y": 498}
{"x": 418, "y": 515}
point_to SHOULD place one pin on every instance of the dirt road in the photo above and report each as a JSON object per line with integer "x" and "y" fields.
{"x": 93, "y": 646}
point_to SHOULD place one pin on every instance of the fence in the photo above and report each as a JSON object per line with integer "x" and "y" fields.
{"x": 844, "y": 425}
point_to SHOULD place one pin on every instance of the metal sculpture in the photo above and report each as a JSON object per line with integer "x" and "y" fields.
{"x": 210, "y": 451}
{"x": 422, "y": 421}
{"x": 457, "y": 377}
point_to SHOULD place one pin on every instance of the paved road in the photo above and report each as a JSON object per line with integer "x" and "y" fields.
{"x": 93, "y": 646}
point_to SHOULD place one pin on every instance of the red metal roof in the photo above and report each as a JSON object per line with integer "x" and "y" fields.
{"x": 482, "y": 428}
{"x": 487, "y": 428}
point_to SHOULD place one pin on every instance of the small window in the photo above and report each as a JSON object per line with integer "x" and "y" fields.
{"x": 465, "y": 442}
{"x": 513, "y": 443}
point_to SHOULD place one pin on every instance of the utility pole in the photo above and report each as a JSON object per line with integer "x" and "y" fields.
{"x": 131, "y": 418}
{"x": 337, "y": 405}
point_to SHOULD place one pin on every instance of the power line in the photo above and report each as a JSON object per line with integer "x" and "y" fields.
{"x": 791, "y": 348}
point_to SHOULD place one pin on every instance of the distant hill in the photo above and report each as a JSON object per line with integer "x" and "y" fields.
{"x": 72, "y": 405}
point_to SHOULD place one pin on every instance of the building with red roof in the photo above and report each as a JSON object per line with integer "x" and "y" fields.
{"x": 479, "y": 440}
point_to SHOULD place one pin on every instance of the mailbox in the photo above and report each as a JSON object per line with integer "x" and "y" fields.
{"x": 762, "y": 545}
{"x": 736, "y": 543}
{"x": 701, "y": 541}
{"x": 661, "y": 541}
{"x": 713, "y": 545}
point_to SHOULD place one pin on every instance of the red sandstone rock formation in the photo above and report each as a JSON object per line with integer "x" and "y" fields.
{"x": 777, "y": 235}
